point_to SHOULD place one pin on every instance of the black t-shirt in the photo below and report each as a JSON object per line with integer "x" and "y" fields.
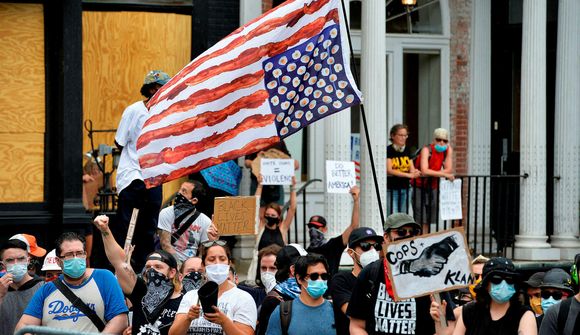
{"x": 332, "y": 251}
{"x": 140, "y": 325}
{"x": 402, "y": 162}
{"x": 477, "y": 320}
{"x": 340, "y": 289}
{"x": 269, "y": 237}
{"x": 371, "y": 302}
{"x": 258, "y": 293}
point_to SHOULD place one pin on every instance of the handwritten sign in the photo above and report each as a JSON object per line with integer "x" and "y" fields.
{"x": 236, "y": 215}
{"x": 429, "y": 263}
{"x": 277, "y": 171}
{"x": 340, "y": 176}
{"x": 450, "y": 199}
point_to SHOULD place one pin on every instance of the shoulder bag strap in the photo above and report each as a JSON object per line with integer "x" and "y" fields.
{"x": 285, "y": 315}
{"x": 175, "y": 236}
{"x": 563, "y": 310}
{"x": 80, "y": 305}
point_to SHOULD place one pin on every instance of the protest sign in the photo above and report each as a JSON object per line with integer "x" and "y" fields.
{"x": 277, "y": 171}
{"x": 450, "y": 199}
{"x": 429, "y": 263}
{"x": 340, "y": 176}
{"x": 236, "y": 215}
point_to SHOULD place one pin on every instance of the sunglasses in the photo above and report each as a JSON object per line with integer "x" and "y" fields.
{"x": 209, "y": 244}
{"x": 555, "y": 295}
{"x": 411, "y": 232}
{"x": 498, "y": 279}
{"x": 441, "y": 140}
{"x": 366, "y": 246}
{"x": 316, "y": 275}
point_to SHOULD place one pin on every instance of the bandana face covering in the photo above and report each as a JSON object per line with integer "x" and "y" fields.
{"x": 192, "y": 281}
{"x": 289, "y": 287}
{"x": 316, "y": 238}
{"x": 182, "y": 207}
{"x": 159, "y": 290}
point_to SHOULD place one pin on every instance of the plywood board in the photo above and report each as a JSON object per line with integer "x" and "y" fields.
{"x": 22, "y": 177}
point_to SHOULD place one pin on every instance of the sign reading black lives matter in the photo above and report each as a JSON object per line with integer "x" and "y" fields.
{"x": 428, "y": 264}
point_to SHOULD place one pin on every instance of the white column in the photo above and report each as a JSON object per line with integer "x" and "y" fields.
{"x": 567, "y": 139}
{"x": 249, "y": 9}
{"x": 373, "y": 86}
{"x": 338, "y": 207}
{"x": 480, "y": 110}
{"x": 531, "y": 242}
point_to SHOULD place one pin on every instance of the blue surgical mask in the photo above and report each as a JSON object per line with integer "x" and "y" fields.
{"x": 502, "y": 292}
{"x": 18, "y": 271}
{"x": 440, "y": 148}
{"x": 316, "y": 288}
{"x": 547, "y": 303}
{"x": 75, "y": 267}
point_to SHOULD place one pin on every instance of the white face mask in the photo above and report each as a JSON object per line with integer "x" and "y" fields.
{"x": 217, "y": 273}
{"x": 269, "y": 280}
{"x": 368, "y": 257}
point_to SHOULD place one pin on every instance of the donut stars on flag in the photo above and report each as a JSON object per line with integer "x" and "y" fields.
{"x": 265, "y": 81}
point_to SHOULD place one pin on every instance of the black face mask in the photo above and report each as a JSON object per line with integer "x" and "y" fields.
{"x": 192, "y": 281}
{"x": 272, "y": 221}
{"x": 182, "y": 207}
{"x": 159, "y": 291}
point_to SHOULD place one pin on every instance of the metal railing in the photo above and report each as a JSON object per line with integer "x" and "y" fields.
{"x": 300, "y": 191}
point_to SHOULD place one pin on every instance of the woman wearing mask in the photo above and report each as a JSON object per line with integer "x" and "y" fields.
{"x": 497, "y": 308}
{"x": 273, "y": 227}
{"x": 400, "y": 169}
{"x": 363, "y": 247}
{"x": 235, "y": 312}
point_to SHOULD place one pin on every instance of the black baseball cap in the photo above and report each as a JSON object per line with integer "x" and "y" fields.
{"x": 286, "y": 257}
{"x": 361, "y": 234}
{"x": 164, "y": 257}
{"x": 317, "y": 221}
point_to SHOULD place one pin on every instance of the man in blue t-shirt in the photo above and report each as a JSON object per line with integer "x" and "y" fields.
{"x": 311, "y": 313}
{"x": 97, "y": 288}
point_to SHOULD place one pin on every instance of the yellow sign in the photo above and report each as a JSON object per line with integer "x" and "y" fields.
{"x": 235, "y": 215}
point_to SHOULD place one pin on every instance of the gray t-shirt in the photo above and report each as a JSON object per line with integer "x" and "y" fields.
{"x": 190, "y": 240}
{"x": 550, "y": 322}
{"x": 14, "y": 304}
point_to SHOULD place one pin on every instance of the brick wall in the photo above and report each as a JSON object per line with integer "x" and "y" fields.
{"x": 460, "y": 45}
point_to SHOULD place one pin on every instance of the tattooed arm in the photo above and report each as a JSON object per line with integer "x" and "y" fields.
{"x": 116, "y": 255}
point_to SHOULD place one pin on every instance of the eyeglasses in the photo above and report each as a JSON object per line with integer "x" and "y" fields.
{"x": 408, "y": 231}
{"x": 19, "y": 260}
{"x": 441, "y": 140}
{"x": 366, "y": 246}
{"x": 74, "y": 254}
{"x": 316, "y": 275}
{"x": 498, "y": 279}
{"x": 556, "y": 295}
{"x": 403, "y": 135}
{"x": 209, "y": 244}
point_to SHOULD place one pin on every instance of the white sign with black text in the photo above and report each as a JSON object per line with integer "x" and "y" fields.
{"x": 340, "y": 176}
{"x": 450, "y": 199}
{"x": 277, "y": 171}
{"x": 429, "y": 263}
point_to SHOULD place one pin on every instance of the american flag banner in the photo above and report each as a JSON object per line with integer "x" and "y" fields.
{"x": 263, "y": 82}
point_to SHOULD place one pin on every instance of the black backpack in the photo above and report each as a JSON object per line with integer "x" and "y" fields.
{"x": 285, "y": 315}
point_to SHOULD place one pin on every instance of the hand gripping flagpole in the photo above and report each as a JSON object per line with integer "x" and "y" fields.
{"x": 364, "y": 118}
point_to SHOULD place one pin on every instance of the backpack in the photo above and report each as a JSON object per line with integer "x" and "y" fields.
{"x": 565, "y": 306}
{"x": 285, "y": 315}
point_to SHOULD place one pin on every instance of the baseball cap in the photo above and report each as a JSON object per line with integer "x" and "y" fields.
{"x": 361, "y": 234}
{"x": 558, "y": 278}
{"x": 498, "y": 265}
{"x": 50, "y": 262}
{"x": 156, "y": 76}
{"x": 289, "y": 254}
{"x": 317, "y": 221}
{"x": 535, "y": 280}
{"x": 397, "y": 220}
{"x": 31, "y": 245}
{"x": 164, "y": 257}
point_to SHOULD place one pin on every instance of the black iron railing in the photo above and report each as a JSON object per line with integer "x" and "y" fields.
{"x": 300, "y": 191}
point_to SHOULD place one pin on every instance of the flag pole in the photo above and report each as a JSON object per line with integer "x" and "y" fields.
{"x": 364, "y": 119}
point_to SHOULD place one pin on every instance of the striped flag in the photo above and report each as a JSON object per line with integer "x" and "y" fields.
{"x": 263, "y": 82}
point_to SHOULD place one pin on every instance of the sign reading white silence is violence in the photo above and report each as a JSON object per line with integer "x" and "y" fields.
{"x": 428, "y": 264}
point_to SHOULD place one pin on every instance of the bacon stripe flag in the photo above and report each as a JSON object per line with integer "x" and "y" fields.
{"x": 262, "y": 83}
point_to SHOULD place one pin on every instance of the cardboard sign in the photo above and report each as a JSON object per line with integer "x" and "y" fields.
{"x": 236, "y": 215}
{"x": 270, "y": 153}
{"x": 277, "y": 171}
{"x": 340, "y": 176}
{"x": 450, "y": 199}
{"x": 428, "y": 264}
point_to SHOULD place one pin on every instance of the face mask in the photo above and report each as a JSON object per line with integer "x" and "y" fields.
{"x": 269, "y": 280}
{"x": 181, "y": 199}
{"x": 440, "y": 148}
{"x": 536, "y": 304}
{"x": 159, "y": 290}
{"x": 547, "y": 303}
{"x": 316, "y": 288}
{"x": 75, "y": 267}
{"x": 272, "y": 221}
{"x": 217, "y": 273}
{"x": 18, "y": 271}
{"x": 192, "y": 281}
{"x": 368, "y": 257}
{"x": 502, "y": 292}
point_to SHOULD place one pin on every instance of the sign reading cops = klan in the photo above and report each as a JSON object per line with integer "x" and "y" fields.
{"x": 340, "y": 176}
{"x": 428, "y": 264}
